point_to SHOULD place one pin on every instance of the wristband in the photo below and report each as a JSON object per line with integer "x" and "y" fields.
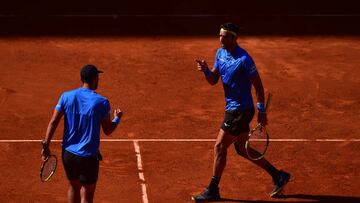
{"x": 116, "y": 120}
{"x": 207, "y": 72}
{"x": 261, "y": 107}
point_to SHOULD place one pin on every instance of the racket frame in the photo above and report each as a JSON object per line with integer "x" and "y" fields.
{"x": 43, "y": 166}
{"x": 247, "y": 143}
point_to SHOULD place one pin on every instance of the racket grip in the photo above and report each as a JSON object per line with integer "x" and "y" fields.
{"x": 45, "y": 145}
{"x": 267, "y": 106}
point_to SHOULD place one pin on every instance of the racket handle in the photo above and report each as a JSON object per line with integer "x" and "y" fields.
{"x": 268, "y": 101}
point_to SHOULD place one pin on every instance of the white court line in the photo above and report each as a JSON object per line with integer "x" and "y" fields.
{"x": 196, "y": 140}
{"x": 180, "y": 15}
{"x": 141, "y": 172}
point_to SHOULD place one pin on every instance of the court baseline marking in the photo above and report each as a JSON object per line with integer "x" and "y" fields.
{"x": 138, "y": 153}
{"x": 197, "y": 140}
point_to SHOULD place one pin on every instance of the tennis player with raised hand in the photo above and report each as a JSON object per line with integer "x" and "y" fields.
{"x": 85, "y": 112}
{"x": 238, "y": 74}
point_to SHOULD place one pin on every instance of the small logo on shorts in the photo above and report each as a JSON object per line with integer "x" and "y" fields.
{"x": 226, "y": 125}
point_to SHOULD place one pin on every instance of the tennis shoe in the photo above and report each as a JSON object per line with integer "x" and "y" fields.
{"x": 279, "y": 183}
{"x": 208, "y": 195}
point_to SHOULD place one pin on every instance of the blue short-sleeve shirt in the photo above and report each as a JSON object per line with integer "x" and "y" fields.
{"x": 83, "y": 111}
{"x": 236, "y": 69}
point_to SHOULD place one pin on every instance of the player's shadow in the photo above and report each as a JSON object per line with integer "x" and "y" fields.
{"x": 306, "y": 199}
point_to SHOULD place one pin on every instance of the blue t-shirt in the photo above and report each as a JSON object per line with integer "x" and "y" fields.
{"x": 235, "y": 70}
{"x": 83, "y": 111}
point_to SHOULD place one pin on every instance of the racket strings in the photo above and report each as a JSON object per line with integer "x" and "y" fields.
{"x": 259, "y": 134}
{"x": 258, "y": 140}
{"x": 257, "y": 143}
{"x": 48, "y": 168}
{"x": 253, "y": 153}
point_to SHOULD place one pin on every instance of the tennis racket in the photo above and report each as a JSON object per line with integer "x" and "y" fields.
{"x": 258, "y": 141}
{"x": 48, "y": 167}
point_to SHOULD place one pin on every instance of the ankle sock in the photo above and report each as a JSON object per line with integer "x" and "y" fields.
{"x": 214, "y": 183}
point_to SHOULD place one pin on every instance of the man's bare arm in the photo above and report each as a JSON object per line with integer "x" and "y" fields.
{"x": 109, "y": 126}
{"x": 212, "y": 76}
{"x": 256, "y": 82}
{"x": 54, "y": 122}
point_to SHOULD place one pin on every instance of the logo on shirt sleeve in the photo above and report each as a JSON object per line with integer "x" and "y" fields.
{"x": 252, "y": 69}
{"x": 221, "y": 59}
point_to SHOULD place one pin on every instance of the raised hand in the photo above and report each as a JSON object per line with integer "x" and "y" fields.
{"x": 118, "y": 113}
{"x": 202, "y": 65}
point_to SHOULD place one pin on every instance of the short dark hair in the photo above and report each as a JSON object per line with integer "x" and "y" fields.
{"x": 231, "y": 27}
{"x": 88, "y": 73}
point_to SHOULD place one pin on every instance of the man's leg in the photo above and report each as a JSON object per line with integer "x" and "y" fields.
{"x": 87, "y": 193}
{"x": 280, "y": 178}
{"x": 223, "y": 141}
{"x": 263, "y": 163}
{"x": 211, "y": 193}
{"x": 74, "y": 191}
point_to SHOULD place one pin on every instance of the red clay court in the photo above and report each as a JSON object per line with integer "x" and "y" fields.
{"x": 163, "y": 150}
{"x": 154, "y": 80}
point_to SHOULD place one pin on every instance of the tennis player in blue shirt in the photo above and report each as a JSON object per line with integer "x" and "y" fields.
{"x": 85, "y": 112}
{"x": 238, "y": 73}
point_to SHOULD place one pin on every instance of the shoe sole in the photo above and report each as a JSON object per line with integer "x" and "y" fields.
{"x": 197, "y": 199}
{"x": 278, "y": 191}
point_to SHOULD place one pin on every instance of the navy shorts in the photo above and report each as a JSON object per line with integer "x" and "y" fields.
{"x": 85, "y": 169}
{"x": 237, "y": 121}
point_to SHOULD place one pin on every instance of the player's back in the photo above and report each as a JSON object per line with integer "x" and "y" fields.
{"x": 83, "y": 109}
